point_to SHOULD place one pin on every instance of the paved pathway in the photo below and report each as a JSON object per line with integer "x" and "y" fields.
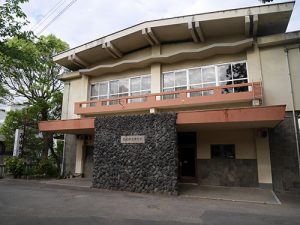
{"x": 30, "y": 202}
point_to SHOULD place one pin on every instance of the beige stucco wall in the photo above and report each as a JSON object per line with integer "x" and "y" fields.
{"x": 242, "y": 138}
{"x": 276, "y": 84}
{"x": 294, "y": 58}
{"x": 263, "y": 158}
{"x": 253, "y": 64}
{"x": 79, "y": 156}
{"x": 75, "y": 90}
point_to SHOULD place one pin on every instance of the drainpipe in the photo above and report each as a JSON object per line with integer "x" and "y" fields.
{"x": 286, "y": 50}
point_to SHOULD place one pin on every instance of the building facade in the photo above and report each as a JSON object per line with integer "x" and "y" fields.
{"x": 208, "y": 98}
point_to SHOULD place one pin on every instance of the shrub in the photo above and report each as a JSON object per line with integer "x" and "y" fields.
{"x": 15, "y": 166}
{"x": 47, "y": 168}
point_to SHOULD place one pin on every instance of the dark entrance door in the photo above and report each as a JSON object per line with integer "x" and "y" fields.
{"x": 187, "y": 148}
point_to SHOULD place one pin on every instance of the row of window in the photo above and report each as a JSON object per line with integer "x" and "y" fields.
{"x": 201, "y": 77}
{"x": 208, "y": 76}
{"x": 123, "y": 87}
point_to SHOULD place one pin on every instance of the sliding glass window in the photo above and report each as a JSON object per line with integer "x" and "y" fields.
{"x": 205, "y": 77}
{"x": 132, "y": 86}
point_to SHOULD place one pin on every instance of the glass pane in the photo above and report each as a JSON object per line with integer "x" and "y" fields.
{"x": 103, "y": 88}
{"x": 135, "y": 93}
{"x": 113, "y": 96}
{"x": 146, "y": 83}
{"x": 123, "y": 85}
{"x": 93, "y": 103}
{"x": 180, "y": 88}
{"x": 168, "y": 79}
{"x": 208, "y": 92}
{"x": 135, "y": 84}
{"x": 195, "y": 76}
{"x": 224, "y": 83}
{"x": 103, "y": 97}
{"x": 114, "y": 87}
{"x": 123, "y": 95}
{"x": 226, "y": 90}
{"x": 209, "y": 85}
{"x": 208, "y": 74}
{"x": 223, "y": 151}
{"x": 171, "y": 96}
{"x": 94, "y": 90}
{"x": 94, "y": 98}
{"x": 135, "y": 99}
{"x": 241, "y": 89}
{"x": 180, "y": 78}
{"x": 224, "y": 72}
{"x": 168, "y": 89}
{"x": 198, "y": 93}
{"x": 239, "y": 71}
{"x": 145, "y": 92}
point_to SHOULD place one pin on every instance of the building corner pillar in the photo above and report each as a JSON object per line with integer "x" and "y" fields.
{"x": 263, "y": 159}
{"x": 79, "y": 157}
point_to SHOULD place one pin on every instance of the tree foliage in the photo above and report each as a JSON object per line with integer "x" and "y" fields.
{"x": 36, "y": 80}
{"x": 12, "y": 20}
{"x": 32, "y": 75}
{"x": 18, "y": 119}
{"x": 27, "y": 72}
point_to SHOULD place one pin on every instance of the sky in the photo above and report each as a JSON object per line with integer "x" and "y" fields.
{"x": 87, "y": 20}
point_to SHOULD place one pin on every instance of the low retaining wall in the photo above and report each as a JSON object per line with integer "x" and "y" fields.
{"x": 228, "y": 172}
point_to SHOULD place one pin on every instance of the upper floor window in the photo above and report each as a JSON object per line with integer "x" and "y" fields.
{"x": 207, "y": 76}
{"x": 122, "y": 87}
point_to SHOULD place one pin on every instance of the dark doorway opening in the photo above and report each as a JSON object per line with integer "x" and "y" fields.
{"x": 187, "y": 150}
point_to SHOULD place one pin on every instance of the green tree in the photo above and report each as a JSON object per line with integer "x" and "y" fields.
{"x": 12, "y": 20}
{"x": 25, "y": 118}
{"x": 34, "y": 77}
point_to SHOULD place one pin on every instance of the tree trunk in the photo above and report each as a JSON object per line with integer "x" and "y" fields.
{"x": 48, "y": 141}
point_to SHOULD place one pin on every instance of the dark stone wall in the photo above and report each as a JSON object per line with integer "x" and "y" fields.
{"x": 284, "y": 161}
{"x": 88, "y": 162}
{"x": 148, "y": 167}
{"x": 228, "y": 172}
{"x": 69, "y": 154}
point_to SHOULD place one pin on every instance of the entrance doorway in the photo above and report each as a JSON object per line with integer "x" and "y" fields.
{"x": 187, "y": 149}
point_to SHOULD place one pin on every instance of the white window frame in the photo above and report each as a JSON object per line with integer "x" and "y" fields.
{"x": 119, "y": 93}
{"x": 217, "y": 81}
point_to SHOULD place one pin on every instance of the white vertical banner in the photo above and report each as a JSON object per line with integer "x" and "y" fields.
{"x": 18, "y": 144}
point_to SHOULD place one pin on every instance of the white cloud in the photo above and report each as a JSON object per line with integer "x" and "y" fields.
{"x": 87, "y": 20}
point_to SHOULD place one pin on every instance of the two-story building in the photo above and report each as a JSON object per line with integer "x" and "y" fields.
{"x": 209, "y": 98}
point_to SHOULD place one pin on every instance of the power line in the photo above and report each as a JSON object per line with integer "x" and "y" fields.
{"x": 48, "y": 14}
{"x": 56, "y": 17}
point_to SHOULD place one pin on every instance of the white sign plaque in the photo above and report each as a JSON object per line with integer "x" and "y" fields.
{"x": 134, "y": 139}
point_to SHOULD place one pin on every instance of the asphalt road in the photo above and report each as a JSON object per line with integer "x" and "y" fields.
{"x": 30, "y": 202}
